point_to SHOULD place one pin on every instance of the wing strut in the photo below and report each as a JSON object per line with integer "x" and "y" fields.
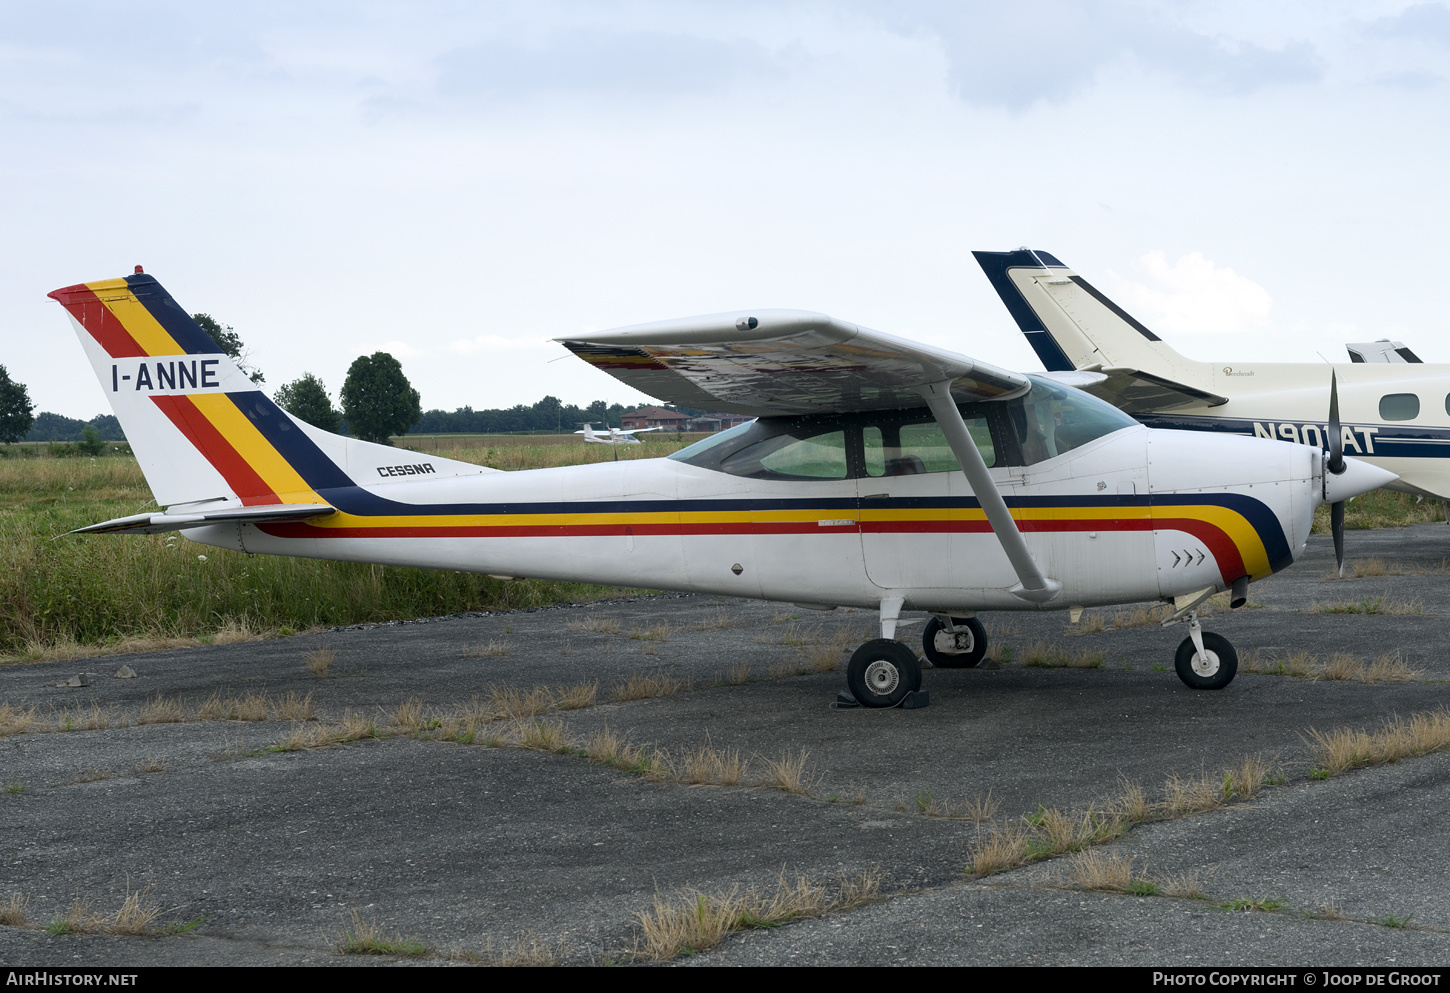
{"x": 1033, "y": 585}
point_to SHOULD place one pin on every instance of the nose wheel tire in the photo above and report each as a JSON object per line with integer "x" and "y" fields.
{"x": 882, "y": 672}
{"x": 962, "y": 648}
{"x": 1212, "y": 672}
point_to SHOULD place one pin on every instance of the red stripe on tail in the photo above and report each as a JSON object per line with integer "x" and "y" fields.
{"x": 240, "y": 476}
{"x": 83, "y": 304}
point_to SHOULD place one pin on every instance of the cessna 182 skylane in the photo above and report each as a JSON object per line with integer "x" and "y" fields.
{"x": 879, "y": 474}
{"x": 1397, "y": 410}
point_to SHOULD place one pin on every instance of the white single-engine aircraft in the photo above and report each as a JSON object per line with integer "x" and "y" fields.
{"x": 880, "y": 474}
{"x": 1396, "y": 410}
{"x": 615, "y": 436}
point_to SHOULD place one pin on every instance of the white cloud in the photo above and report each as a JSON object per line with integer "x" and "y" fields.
{"x": 1193, "y": 296}
{"x": 397, "y": 349}
{"x": 494, "y": 343}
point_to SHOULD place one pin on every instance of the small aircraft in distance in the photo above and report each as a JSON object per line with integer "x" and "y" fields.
{"x": 1396, "y": 408}
{"x": 615, "y": 436}
{"x": 879, "y": 474}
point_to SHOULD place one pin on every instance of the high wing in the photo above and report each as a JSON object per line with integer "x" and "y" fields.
{"x": 157, "y": 523}
{"x": 795, "y": 362}
{"x": 772, "y": 362}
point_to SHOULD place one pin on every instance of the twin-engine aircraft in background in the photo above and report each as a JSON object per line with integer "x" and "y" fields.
{"x": 879, "y": 474}
{"x": 613, "y": 436}
{"x": 1396, "y": 408}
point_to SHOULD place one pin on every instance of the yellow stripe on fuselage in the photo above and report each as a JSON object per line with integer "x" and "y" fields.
{"x": 135, "y": 318}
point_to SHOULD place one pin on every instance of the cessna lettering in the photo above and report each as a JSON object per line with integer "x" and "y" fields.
{"x": 405, "y": 470}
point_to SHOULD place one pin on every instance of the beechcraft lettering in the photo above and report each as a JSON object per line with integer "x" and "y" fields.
{"x": 169, "y": 375}
{"x": 1317, "y": 435}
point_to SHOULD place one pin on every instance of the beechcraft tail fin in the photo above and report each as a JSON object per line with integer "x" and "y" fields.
{"x": 1072, "y": 325}
{"x": 207, "y": 438}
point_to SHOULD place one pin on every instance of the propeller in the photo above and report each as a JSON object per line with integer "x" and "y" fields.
{"x": 1335, "y": 464}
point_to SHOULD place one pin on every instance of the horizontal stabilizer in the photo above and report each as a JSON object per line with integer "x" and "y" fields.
{"x": 1134, "y": 391}
{"x": 164, "y": 521}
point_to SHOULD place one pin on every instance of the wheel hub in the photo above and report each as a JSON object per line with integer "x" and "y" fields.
{"x": 1206, "y": 664}
{"x": 954, "y": 642}
{"x": 882, "y": 677}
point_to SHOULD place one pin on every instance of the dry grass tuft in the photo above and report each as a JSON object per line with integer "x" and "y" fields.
{"x": 595, "y": 624}
{"x": 1142, "y": 616}
{"x": 1370, "y": 605}
{"x": 738, "y": 675}
{"x": 319, "y": 661}
{"x": 1186, "y": 886}
{"x": 161, "y": 711}
{"x": 694, "y": 921}
{"x": 718, "y": 621}
{"x": 17, "y": 720}
{"x": 1192, "y": 796}
{"x": 576, "y": 697}
{"x": 642, "y": 687}
{"x": 136, "y": 916}
{"x": 494, "y": 649}
{"x": 1004, "y": 847}
{"x": 13, "y": 913}
{"x": 541, "y": 736}
{"x": 824, "y": 654}
{"x": 1089, "y": 624}
{"x": 789, "y": 773}
{"x": 657, "y": 633}
{"x": 608, "y": 748}
{"x": 980, "y": 810}
{"x": 526, "y": 951}
{"x": 366, "y": 938}
{"x": 511, "y": 701}
{"x": 1045, "y": 654}
{"x": 1343, "y": 749}
{"x": 1094, "y": 870}
{"x": 712, "y": 766}
{"x": 294, "y": 708}
{"x": 1340, "y": 666}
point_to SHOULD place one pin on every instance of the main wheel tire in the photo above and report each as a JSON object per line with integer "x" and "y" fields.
{"x": 882, "y": 672}
{"x": 937, "y": 643}
{"x": 1213, "y": 673}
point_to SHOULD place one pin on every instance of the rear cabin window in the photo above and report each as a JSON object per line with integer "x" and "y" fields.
{"x": 1400, "y": 407}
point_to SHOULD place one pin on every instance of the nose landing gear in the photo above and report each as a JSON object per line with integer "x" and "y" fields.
{"x": 1205, "y": 661}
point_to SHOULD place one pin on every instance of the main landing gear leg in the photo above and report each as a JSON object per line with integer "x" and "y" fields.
{"x": 884, "y": 672}
{"x": 1205, "y": 661}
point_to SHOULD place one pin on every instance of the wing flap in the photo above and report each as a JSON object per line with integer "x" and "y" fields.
{"x": 161, "y": 522}
{"x": 784, "y": 362}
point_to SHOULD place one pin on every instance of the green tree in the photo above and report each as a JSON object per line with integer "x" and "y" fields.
{"x": 307, "y": 400}
{"x": 16, "y": 410}
{"x": 230, "y": 342}
{"x": 378, "y": 400}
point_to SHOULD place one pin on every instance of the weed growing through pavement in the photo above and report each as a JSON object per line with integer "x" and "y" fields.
{"x": 657, "y": 633}
{"x": 693, "y": 921}
{"x": 643, "y": 687}
{"x": 595, "y": 624}
{"x": 1344, "y": 749}
{"x": 15, "y": 786}
{"x": 494, "y": 649}
{"x": 366, "y": 938}
{"x": 1390, "y": 667}
{"x": 1048, "y": 655}
{"x": 319, "y": 661}
{"x": 1370, "y": 605}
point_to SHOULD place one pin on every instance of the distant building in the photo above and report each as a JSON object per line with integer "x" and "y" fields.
{"x": 673, "y": 420}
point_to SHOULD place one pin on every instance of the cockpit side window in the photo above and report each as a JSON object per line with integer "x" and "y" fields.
{"x": 894, "y": 448}
{"x": 1050, "y": 421}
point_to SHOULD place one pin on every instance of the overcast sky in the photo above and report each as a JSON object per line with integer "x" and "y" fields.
{"x": 459, "y": 183}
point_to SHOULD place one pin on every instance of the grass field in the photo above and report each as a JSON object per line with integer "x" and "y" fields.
{"x": 74, "y": 596}
{"x": 67, "y": 596}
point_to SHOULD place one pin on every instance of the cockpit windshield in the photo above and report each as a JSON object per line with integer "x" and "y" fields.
{"x": 1047, "y": 421}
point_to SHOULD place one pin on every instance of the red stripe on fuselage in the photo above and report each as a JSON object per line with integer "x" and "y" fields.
{"x": 241, "y": 477}
{"x": 83, "y": 304}
{"x": 1225, "y": 553}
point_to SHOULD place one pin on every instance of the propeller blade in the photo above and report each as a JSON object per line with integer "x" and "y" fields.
{"x": 1336, "y": 433}
{"x": 1336, "y": 527}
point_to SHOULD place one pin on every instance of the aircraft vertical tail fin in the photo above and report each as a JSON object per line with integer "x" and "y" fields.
{"x": 1073, "y": 325}
{"x": 202, "y": 431}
